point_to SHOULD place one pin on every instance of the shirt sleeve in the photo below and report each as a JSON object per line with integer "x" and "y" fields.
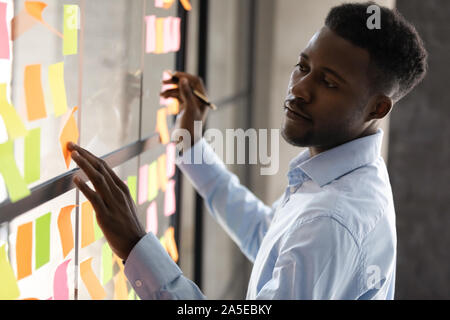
{"x": 154, "y": 275}
{"x": 243, "y": 216}
{"x": 318, "y": 259}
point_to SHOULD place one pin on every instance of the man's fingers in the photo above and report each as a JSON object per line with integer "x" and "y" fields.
{"x": 97, "y": 179}
{"x": 171, "y": 93}
{"x": 90, "y": 194}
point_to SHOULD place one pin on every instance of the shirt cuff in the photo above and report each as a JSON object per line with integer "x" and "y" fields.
{"x": 201, "y": 165}
{"x": 149, "y": 267}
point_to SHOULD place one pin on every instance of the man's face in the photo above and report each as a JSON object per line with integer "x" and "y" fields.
{"x": 330, "y": 87}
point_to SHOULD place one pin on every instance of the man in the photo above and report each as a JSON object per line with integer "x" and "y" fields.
{"x": 332, "y": 233}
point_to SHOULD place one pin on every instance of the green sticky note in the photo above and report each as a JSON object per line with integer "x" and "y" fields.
{"x": 98, "y": 233}
{"x": 152, "y": 180}
{"x": 9, "y": 290}
{"x": 132, "y": 183}
{"x": 32, "y": 168}
{"x": 13, "y": 123}
{"x": 16, "y": 185}
{"x": 131, "y": 295}
{"x": 107, "y": 263}
{"x": 70, "y": 29}
{"x": 42, "y": 240}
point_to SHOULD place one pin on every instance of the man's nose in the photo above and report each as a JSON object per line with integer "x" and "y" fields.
{"x": 302, "y": 88}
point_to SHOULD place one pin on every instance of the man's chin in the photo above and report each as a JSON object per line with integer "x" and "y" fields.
{"x": 296, "y": 140}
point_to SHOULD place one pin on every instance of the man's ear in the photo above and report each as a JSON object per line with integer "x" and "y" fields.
{"x": 380, "y": 106}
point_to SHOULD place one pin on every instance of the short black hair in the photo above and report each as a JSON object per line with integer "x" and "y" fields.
{"x": 396, "y": 49}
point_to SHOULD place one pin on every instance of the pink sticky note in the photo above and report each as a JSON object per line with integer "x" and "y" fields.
{"x": 60, "y": 287}
{"x": 175, "y": 36}
{"x": 4, "y": 38}
{"x": 143, "y": 184}
{"x": 167, "y": 35}
{"x": 170, "y": 156}
{"x": 152, "y": 218}
{"x": 169, "y": 199}
{"x": 151, "y": 34}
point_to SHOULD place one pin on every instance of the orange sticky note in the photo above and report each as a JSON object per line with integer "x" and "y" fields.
{"x": 162, "y": 174}
{"x": 120, "y": 286}
{"x": 35, "y": 8}
{"x": 34, "y": 95}
{"x": 161, "y": 125}
{"x": 69, "y": 133}
{"x": 159, "y": 30}
{"x": 170, "y": 244}
{"x": 87, "y": 224}
{"x": 24, "y": 249}
{"x": 186, "y": 5}
{"x": 90, "y": 280}
{"x": 65, "y": 229}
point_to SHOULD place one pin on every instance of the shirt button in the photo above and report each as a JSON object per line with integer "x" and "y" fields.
{"x": 138, "y": 283}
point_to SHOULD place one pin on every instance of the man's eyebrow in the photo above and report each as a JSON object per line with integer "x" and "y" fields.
{"x": 326, "y": 69}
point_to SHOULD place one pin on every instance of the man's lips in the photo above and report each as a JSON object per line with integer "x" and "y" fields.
{"x": 296, "y": 111}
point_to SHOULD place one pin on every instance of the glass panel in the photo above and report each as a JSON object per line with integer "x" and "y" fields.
{"x": 41, "y": 258}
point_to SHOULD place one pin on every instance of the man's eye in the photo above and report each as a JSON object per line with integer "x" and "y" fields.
{"x": 300, "y": 67}
{"x": 329, "y": 84}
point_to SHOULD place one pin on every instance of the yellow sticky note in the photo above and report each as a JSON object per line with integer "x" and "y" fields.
{"x": 32, "y": 155}
{"x": 13, "y": 123}
{"x": 57, "y": 88}
{"x": 17, "y": 188}
{"x": 9, "y": 290}
{"x": 70, "y": 43}
{"x": 159, "y": 30}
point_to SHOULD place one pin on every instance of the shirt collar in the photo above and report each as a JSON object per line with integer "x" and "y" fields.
{"x": 331, "y": 164}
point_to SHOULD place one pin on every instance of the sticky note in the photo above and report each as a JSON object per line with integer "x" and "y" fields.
{"x": 90, "y": 280}
{"x": 159, "y": 3}
{"x": 32, "y": 156}
{"x": 98, "y": 233}
{"x": 107, "y": 263}
{"x": 152, "y": 218}
{"x": 42, "y": 240}
{"x": 161, "y": 125}
{"x": 186, "y": 5}
{"x": 120, "y": 286}
{"x": 57, "y": 88}
{"x": 64, "y": 222}
{"x": 15, "y": 184}
{"x": 70, "y": 29}
{"x": 169, "y": 199}
{"x": 159, "y": 31}
{"x": 152, "y": 181}
{"x": 167, "y": 35}
{"x": 69, "y": 133}
{"x": 171, "y": 151}
{"x": 87, "y": 224}
{"x": 9, "y": 290}
{"x": 173, "y": 107}
{"x": 34, "y": 95}
{"x": 150, "y": 43}
{"x": 60, "y": 283}
{"x": 132, "y": 184}
{"x": 24, "y": 247}
{"x": 4, "y": 38}
{"x": 143, "y": 184}
{"x": 175, "y": 34}
{"x": 170, "y": 244}
{"x": 12, "y": 121}
{"x": 162, "y": 175}
{"x": 35, "y": 9}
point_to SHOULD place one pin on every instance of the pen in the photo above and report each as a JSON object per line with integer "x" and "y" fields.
{"x": 198, "y": 94}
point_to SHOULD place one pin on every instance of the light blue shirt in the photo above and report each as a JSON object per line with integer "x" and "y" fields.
{"x": 331, "y": 235}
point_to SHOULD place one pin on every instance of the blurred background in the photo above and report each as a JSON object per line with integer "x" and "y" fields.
{"x": 251, "y": 47}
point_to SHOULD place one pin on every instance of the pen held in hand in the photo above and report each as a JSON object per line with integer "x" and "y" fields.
{"x": 198, "y": 94}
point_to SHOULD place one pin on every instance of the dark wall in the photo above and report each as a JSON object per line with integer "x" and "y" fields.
{"x": 419, "y": 162}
